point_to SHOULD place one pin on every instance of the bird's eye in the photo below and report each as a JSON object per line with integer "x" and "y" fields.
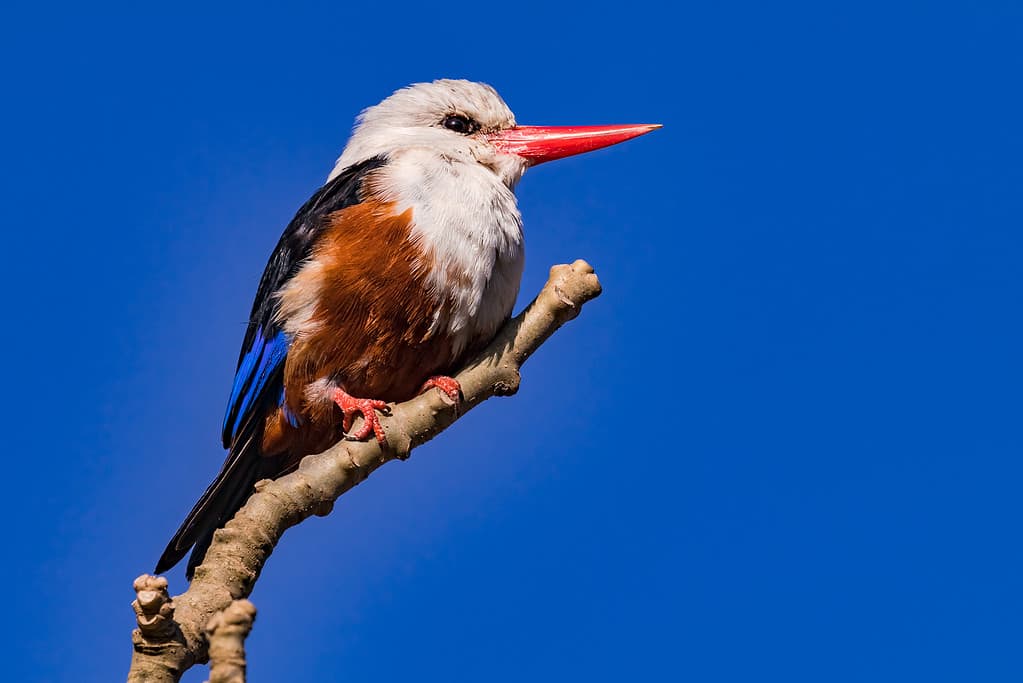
{"x": 460, "y": 124}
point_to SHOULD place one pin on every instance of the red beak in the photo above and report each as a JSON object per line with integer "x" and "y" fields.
{"x": 538, "y": 144}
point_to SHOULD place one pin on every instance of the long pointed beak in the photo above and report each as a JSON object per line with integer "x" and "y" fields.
{"x": 538, "y": 144}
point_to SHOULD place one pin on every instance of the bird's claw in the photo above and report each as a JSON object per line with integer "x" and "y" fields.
{"x": 367, "y": 407}
{"x": 449, "y": 386}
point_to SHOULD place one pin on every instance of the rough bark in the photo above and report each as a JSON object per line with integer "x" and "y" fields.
{"x": 171, "y": 635}
{"x": 226, "y": 633}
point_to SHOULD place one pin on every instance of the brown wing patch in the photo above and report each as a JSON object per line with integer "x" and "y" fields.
{"x": 368, "y": 311}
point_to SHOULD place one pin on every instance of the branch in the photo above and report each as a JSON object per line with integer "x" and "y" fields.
{"x": 239, "y": 550}
{"x": 227, "y": 631}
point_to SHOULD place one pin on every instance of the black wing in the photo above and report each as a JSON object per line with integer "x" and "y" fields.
{"x": 258, "y": 383}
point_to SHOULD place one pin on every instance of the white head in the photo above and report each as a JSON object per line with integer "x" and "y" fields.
{"x": 469, "y": 122}
{"x": 454, "y": 154}
{"x": 450, "y": 117}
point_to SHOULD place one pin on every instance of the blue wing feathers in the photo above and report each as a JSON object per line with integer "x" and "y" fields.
{"x": 243, "y": 375}
{"x": 293, "y": 419}
{"x": 259, "y": 366}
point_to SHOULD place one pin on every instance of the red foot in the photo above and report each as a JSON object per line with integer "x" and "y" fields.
{"x": 449, "y": 385}
{"x": 366, "y": 407}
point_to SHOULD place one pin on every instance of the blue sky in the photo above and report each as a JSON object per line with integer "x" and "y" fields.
{"x": 812, "y": 287}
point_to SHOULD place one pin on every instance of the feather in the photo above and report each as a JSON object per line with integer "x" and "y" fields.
{"x": 258, "y": 388}
{"x": 264, "y": 348}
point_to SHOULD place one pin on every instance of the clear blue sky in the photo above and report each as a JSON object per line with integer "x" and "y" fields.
{"x": 812, "y": 286}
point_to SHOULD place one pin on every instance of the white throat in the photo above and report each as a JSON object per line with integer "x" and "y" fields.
{"x": 466, "y": 220}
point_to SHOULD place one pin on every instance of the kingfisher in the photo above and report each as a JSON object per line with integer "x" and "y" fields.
{"x": 390, "y": 277}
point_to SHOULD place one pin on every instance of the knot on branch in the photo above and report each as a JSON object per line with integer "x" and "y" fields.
{"x": 226, "y": 632}
{"x": 572, "y": 286}
{"x": 154, "y": 610}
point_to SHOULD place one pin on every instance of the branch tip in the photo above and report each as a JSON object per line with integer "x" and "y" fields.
{"x": 226, "y": 632}
{"x": 154, "y": 609}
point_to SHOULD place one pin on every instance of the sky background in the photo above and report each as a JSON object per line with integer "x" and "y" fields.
{"x": 812, "y": 287}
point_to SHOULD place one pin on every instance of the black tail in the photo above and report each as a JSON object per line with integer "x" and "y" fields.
{"x": 224, "y": 497}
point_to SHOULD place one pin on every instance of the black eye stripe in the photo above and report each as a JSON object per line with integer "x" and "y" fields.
{"x": 462, "y": 125}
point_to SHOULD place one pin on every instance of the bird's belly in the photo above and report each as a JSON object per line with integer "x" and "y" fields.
{"x": 378, "y": 346}
{"x": 375, "y": 313}
{"x": 402, "y": 341}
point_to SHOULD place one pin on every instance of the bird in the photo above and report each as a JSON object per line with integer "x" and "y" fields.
{"x": 404, "y": 264}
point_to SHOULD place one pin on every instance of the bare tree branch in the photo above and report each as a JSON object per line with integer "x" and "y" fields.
{"x": 227, "y": 632}
{"x": 239, "y": 550}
